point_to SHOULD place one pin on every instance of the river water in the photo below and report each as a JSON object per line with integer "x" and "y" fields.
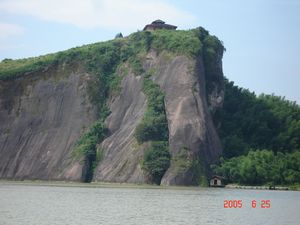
{"x": 32, "y": 204}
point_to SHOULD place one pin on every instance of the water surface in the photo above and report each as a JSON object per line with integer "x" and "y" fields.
{"x": 68, "y": 205}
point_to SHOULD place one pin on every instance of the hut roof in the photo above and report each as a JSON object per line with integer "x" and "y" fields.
{"x": 158, "y": 22}
{"x": 218, "y": 177}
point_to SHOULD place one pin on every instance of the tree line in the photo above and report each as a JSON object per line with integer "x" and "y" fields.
{"x": 260, "y": 137}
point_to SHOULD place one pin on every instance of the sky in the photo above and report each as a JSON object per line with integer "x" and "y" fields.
{"x": 261, "y": 37}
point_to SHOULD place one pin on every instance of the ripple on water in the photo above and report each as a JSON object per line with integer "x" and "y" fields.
{"x": 35, "y": 205}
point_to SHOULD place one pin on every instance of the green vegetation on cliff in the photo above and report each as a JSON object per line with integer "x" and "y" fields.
{"x": 259, "y": 122}
{"x": 86, "y": 146}
{"x": 107, "y": 55}
{"x": 156, "y": 160}
{"x": 183, "y": 162}
{"x": 154, "y": 125}
{"x": 154, "y": 128}
{"x": 10, "y": 69}
{"x": 249, "y": 124}
{"x": 103, "y": 61}
{"x": 212, "y": 53}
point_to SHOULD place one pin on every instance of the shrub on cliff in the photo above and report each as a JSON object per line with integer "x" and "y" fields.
{"x": 86, "y": 145}
{"x": 154, "y": 126}
{"x": 156, "y": 160}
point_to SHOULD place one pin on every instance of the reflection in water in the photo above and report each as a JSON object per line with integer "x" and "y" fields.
{"x": 36, "y": 205}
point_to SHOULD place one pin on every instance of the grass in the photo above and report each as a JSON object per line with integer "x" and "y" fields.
{"x": 10, "y": 69}
{"x": 190, "y": 42}
{"x": 178, "y": 42}
{"x": 295, "y": 187}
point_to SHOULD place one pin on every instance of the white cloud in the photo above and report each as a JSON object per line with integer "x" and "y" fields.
{"x": 116, "y": 14}
{"x": 8, "y": 30}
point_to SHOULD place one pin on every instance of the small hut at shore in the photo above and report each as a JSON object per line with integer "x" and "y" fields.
{"x": 159, "y": 24}
{"x": 216, "y": 181}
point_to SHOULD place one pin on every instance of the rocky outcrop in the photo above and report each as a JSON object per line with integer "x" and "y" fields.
{"x": 121, "y": 152}
{"x": 42, "y": 116}
{"x": 189, "y": 121}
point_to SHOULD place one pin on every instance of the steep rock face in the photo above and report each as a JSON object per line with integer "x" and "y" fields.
{"x": 121, "y": 153}
{"x": 215, "y": 94}
{"x": 190, "y": 124}
{"x": 189, "y": 121}
{"x": 42, "y": 116}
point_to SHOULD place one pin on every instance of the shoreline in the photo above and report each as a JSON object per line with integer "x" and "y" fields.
{"x": 295, "y": 187}
{"x": 54, "y": 183}
{"x": 96, "y": 184}
{"x": 276, "y": 188}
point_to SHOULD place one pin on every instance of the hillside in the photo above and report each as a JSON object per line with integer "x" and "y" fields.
{"x": 136, "y": 109}
{"x": 260, "y": 137}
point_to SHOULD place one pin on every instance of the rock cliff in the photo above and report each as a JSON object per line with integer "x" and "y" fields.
{"x": 48, "y": 111}
{"x": 42, "y": 115}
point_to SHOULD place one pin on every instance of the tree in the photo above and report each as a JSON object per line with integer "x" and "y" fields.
{"x": 119, "y": 35}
